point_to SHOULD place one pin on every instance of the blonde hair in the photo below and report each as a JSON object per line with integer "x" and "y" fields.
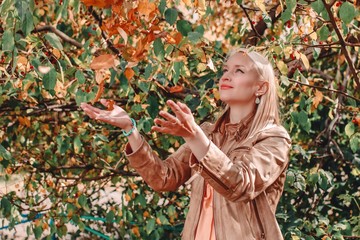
{"x": 267, "y": 111}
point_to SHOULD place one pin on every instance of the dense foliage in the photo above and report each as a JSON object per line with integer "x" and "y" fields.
{"x": 56, "y": 54}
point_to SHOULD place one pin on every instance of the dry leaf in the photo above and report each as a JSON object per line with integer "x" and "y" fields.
{"x": 105, "y": 61}
{"x": 99, "y": 3}
{"x": 123, "y": 34}
{"x": 305, "y": 60}
{"x": 129, "y": 73}
{"x": 145, "y": 7}
{"x": 318, "y": 98}
{"x": 24, "y": 121}
{"x": 56, "y": 53}
{"x": 99, "y": 92}
{"x": 176, "y": 89}
{"x": 110, "y": 106}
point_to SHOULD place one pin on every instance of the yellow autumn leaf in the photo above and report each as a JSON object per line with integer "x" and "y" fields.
{"x": 188, "y": 3}
{"x": 283, "y": 68}
{"x": 261, "y": 5}
{"x": 56, "y": 53}
{"x": 305, "y": 60}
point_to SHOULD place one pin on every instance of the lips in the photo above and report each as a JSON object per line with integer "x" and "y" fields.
{"x": 225, "y": 87}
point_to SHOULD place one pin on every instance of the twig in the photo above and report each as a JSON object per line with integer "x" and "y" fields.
{"x": 325, "y": 89}
{"x": 108, "y": 42}
{"x": 251, "y": 23}
{"x": 343, "y": 43}
{"x": 62, "y": 35}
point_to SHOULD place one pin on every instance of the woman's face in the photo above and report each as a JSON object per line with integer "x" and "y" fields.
{"x": 239, "y": 81}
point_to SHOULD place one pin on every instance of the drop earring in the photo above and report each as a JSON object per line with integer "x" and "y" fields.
{"x": 257, "y": 100}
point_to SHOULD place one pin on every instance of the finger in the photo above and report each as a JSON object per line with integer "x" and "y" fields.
{"x": 163, "y": 123}
{"x": 91, "y": 114}
{"x": 91, "y": 108}
{"x": 162, "y": 130}
{"x": 175, "y": 108}
{"x": 168, "y": 116}
{"x": 184, "y": 107}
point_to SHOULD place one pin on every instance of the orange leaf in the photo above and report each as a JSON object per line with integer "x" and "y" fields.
{"x": 99, "y": 3}
{"x": 24, "y": 121}
{"x": 176, "y": 89}
{"x": 110, "y": 105}
{"x": 177, "y": 37}
{"x": 99, "y": 92}
{"x": 129, "y": 73}
{"x": 145, "y": 7}
{"x": 105, "y": 61}
{"x": 318, "y": 98}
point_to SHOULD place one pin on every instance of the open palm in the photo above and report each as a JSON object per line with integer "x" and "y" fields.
{"x": 116, "y": 117}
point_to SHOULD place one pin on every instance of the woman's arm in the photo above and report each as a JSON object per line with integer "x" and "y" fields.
{"x": 239, "y": 179}
{"x": 160, "y": 175}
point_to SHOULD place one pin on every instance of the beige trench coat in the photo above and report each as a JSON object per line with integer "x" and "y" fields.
{"x": 247, "y": 176}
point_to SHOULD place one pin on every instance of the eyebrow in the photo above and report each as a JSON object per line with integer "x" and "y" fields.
{"x": 225, "y": 66}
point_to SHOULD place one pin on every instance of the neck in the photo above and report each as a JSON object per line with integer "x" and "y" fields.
{"x": 239, "y": 112}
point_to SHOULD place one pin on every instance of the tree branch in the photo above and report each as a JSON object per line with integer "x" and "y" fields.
{"x": 343, "y": 44}
{"x": 325, "y": 89}
{"x": 60, "y": 34}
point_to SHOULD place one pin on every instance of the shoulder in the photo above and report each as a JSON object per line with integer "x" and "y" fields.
{"x": 272, "y": 131}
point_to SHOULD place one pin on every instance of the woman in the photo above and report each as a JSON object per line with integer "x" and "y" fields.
{"x": 236, "y": 166}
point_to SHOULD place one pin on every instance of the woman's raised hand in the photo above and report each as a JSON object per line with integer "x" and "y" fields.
{"x": 117, "y": 116}
{"x": 182, "y": 124}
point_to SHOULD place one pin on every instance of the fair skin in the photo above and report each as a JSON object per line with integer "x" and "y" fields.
{"x": 239, "y": 77}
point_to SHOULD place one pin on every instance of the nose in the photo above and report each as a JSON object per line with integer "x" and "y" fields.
{"x": 225, "y": 77}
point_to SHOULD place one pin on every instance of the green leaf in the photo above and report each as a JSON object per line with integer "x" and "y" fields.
{"x": 80, "y": 77}
{"x": 162, "y": 6}
{"x": 239, "y": 2}
{"x": 4, "y": 153}
{"x": 355, "y": 143}
{"x": 38, "y": 231}
{"x": 80, "y": 97}
{"x": 324, "y": 33}
{"x": 82, "y": 200}
{"x": 7, "y": 41}
{"x": 153, "y": 108}
{"x": 28, "y": 24}
{"x": 318, "y": 6}
{"x": 159, "y": 48}
{"x": 184, "y": 27}
{"x": 49, "y": 80}
{"x": 5, "y": 207}
{"x": 77, "y": 144}
{"x": 347, "y": 12}
{"x": 110, "y": 216}
{"x": 350, "y": 129}
{"x": 171, "y": 15}
{"x": 6, "y": 6}
{"x": 150, "y": 226}
{"x": 54, "y": 40}
{"x": 194, "y": 37}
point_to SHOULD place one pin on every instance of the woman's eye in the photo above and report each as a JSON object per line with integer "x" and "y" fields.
{"x": 239, "y": 70}
{"x": 225, "y": 70}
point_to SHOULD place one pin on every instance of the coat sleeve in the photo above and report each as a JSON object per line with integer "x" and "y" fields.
{"x": 160, "y": 175}
{"x": 250, "y": 171}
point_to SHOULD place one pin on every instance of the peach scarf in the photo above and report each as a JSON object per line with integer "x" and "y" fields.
{"x": 205, "y": 229}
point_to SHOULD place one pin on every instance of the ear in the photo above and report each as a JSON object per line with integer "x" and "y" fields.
{"x": 262, "y": 88}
